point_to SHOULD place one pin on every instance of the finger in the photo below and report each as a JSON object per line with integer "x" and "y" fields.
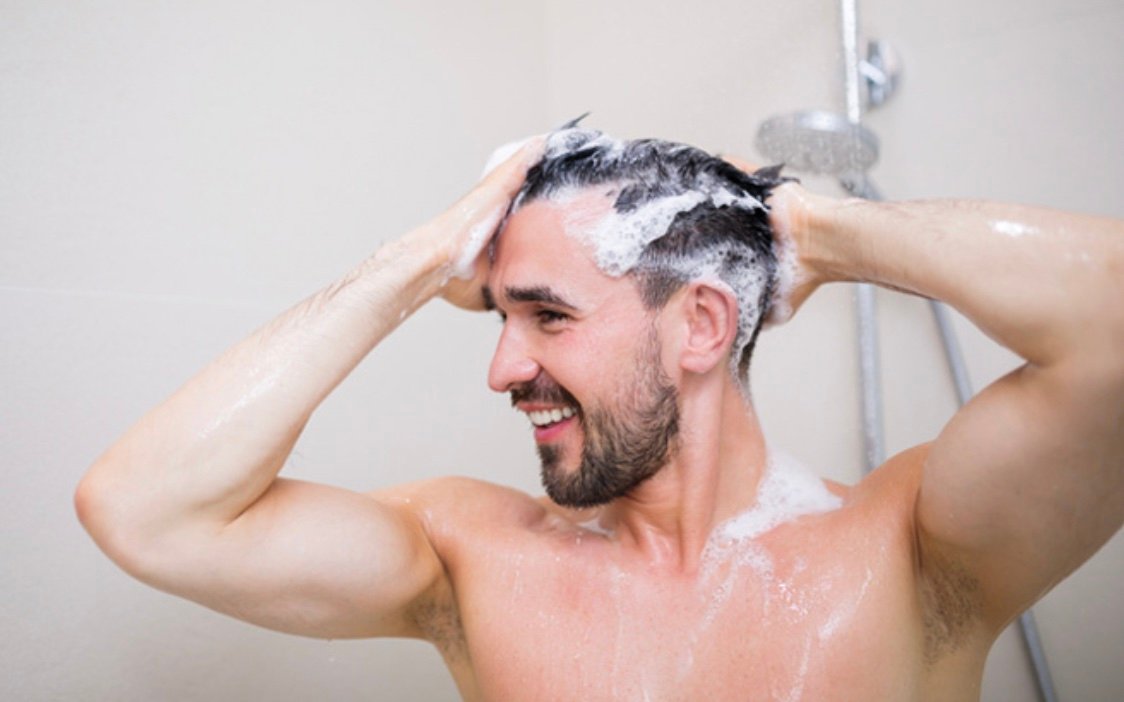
{"x": 514, "y": 159}
{"x": 501, "y": 184}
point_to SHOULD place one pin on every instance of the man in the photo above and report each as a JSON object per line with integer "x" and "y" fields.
{"x": 678, "y": 559}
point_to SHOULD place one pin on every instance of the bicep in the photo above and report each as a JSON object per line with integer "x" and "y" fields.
{"x": 1025, "y": 482}
{"x": 310, "y": 559}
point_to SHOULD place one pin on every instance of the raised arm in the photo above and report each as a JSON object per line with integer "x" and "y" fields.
{"x": 1027, "y": 480}
{"x": 188, "y": 500}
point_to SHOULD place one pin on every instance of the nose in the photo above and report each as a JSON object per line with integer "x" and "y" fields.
{"x": 511, "y": 364}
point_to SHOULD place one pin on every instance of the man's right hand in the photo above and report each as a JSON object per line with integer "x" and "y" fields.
{"x": 469, "y": 225}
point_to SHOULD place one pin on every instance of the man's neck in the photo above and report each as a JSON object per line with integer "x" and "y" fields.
{"x": 713, "y": 475}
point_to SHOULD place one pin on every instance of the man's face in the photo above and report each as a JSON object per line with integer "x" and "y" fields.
{"x": 581, "y": 356}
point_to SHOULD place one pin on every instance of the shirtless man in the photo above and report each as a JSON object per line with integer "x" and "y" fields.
{"x": 689, "y": 563}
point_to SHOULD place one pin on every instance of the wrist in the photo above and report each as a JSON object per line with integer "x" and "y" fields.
{"x": 829, "y": 250}
{"x": 413, "y": 268}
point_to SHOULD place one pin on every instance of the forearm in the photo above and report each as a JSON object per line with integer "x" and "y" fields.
{"x": 1046, "y": 284}
{"x": 205, "y": 458}
{"x": 1025, "y": 481}
{"x": 215, "y": 446}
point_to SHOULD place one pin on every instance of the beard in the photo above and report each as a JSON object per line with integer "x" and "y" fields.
{"x": 625, "y": 444}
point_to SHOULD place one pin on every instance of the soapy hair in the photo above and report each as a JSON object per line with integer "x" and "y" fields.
{"x": 679, "y": 215}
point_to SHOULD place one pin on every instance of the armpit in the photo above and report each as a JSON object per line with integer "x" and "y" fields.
{"x": 951, "y": 604}
{"x": 438, "y": 618}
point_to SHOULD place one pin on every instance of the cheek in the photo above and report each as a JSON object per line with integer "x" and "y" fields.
{"x": 579, "y": 363}
{"x": 598, "y": 363}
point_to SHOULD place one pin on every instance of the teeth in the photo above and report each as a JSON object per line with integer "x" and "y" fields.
{"x": 541, "y": 418}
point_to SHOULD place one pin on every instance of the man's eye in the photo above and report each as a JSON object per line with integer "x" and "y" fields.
{"x": 551, "y": 317}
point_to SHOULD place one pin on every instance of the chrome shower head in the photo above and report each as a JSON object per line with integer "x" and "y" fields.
{"x": 818, "y": 142}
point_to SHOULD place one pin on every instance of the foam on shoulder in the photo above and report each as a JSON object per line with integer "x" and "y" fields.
{"x": 786, "y": 492}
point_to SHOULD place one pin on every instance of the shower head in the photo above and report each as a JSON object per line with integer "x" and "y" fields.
{"x": 818, "y": 142}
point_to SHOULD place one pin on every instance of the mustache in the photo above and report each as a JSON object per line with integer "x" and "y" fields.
{"x": 543, "y": 389}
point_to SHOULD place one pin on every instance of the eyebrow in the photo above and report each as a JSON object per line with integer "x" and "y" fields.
{"x": 534, "y": 293}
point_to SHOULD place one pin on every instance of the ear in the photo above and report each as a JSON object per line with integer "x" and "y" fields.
{"x": 711, "y": 318}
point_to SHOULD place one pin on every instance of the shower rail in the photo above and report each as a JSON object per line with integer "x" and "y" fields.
{"x": 860, "y": 185}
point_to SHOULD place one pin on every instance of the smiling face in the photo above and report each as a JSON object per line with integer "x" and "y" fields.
{"x": 678, "y": 214}
{"x": 580, "y": 355}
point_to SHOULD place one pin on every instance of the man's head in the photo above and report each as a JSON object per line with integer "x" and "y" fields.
{"x": 602, "y": 236}
{"x": 678, "y": 214}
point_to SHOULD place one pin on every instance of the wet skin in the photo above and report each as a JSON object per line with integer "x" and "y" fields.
{"x": 829, "y": 606}
{"x": 537, "y": 606}
{"x": 896, "y": 595}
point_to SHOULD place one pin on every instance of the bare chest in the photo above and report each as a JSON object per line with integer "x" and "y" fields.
{"x": 773, "y": 619}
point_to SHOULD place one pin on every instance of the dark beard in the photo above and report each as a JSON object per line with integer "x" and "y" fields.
{"x": 624, "y": 446}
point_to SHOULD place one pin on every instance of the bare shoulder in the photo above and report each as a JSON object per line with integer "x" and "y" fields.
{"x": 453, "y": 508}
{"x": 458, "y": 516}
{"x": 895, "y": 484}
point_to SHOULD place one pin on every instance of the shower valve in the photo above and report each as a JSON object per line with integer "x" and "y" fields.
{"x": 881, "y": 71}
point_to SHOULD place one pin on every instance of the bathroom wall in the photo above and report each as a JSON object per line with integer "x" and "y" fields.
{"x": 175, "y": 174}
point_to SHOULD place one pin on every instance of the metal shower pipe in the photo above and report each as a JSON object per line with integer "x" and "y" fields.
{"x": 874, "y": 440}
{"x": 859, "y": 185}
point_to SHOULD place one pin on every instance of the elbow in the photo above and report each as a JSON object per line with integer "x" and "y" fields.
{"x": 1088, "y": 338}
{"x": 89, "y": 504}
{"x": 84, "y": 504}
{"x": 95, "y": 511}
{"x": 102, "y": 510}
{"x": 150, "y": 545}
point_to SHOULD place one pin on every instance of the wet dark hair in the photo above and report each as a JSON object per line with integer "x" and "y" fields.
{"x": 731, "y": 236}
